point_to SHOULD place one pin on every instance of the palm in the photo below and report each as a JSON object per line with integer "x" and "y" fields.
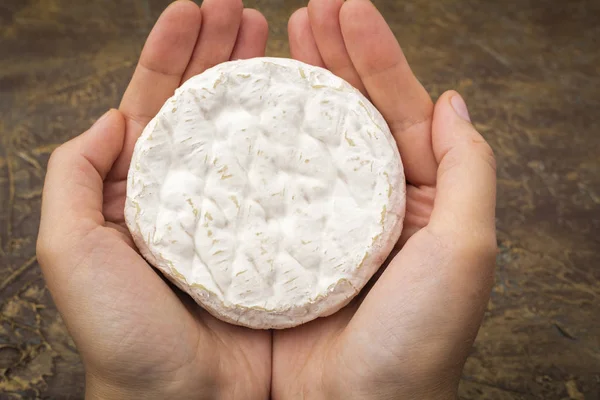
{"x": 330, "y": 350}
{"x": 158, "y": 311}
{"x": 160, "y": 328}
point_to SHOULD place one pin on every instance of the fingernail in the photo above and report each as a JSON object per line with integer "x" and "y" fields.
{"x": 103, "y": 117}
{"x": 460, "y": 107}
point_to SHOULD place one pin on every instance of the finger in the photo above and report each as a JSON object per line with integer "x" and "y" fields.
{"x": 466, "y": 183}
{"x": 162, "y": 63}
{"x": 252, "y": 37}
{"x": 392, "y": 86}
{"x": 72, "y": 197}
{"x": 220, "y": 25}
{"x": 302, "y": 41}
{"x": 324, "y": 18}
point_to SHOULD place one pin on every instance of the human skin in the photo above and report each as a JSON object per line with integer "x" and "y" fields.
{"x": 409, "y": 332}
{"x": 409, "y": 335}
{"x": 139, "y": 338}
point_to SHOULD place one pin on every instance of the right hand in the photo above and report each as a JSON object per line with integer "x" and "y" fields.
{"x": 408, "y": 334}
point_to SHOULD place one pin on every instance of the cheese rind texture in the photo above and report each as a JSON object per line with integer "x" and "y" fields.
{"x": 267, "y": 189}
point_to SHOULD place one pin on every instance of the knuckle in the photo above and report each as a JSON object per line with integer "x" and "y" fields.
{"x": 45, "y": 249}
{"x": 476, "y": 147}
{"x": 480, "y": 247}
{"x": 40, "y": 247}
{"x": 481, "y": 147}
{"x": 487, "y": 153}
{"x": 451, "y": 159}
{"x": 59, "y": 154}
{"x": 465, "y": 244}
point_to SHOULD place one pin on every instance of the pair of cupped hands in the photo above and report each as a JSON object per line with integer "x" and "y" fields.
{"x": 406, "y": 336}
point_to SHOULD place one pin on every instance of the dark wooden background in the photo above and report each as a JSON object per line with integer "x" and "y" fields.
{"x": 530, "y": 71}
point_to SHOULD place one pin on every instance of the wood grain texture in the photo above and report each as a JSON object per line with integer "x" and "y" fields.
{"x": 530, "y": 72}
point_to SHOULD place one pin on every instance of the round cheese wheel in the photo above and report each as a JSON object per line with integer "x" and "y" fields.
{"x": 267, "y": 189}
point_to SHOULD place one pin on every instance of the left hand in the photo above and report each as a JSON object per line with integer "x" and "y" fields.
{"x": 139, "y": 338}
{"x": 408, "y": 335}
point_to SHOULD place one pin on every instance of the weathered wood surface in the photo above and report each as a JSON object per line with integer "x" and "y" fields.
{"x": 530, "y": 71}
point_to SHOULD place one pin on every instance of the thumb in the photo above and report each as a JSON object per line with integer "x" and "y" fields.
{"x": 433, "y": 294}
{"x": 465, "y": 199}
{"x": 73, "y": 190}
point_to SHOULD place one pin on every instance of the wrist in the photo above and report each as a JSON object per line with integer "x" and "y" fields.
{"x": 438, "y": 389}
{"x": 97, "y": 388}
